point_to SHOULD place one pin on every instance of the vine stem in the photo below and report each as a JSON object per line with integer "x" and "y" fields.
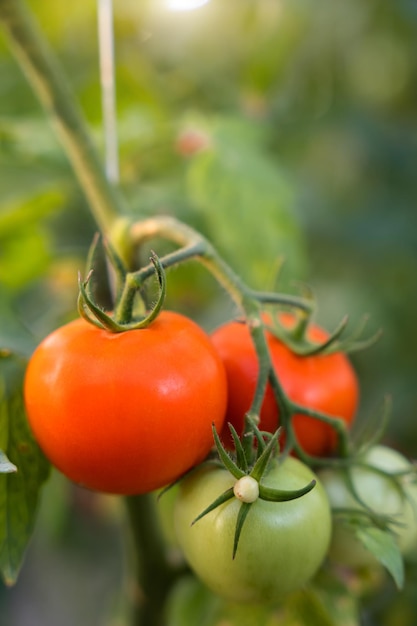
{"x": 154, "y": 575}
{"x": 249, "y": 301}
{"x": 193, "y": 244}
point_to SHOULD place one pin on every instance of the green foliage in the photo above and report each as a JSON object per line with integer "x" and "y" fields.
{"x": 24, "y": 240}
{"x": 19, "y": 490}
{"x": 247, "y": 203}
{"x": 382, "y": 545}
{"x": 191, "y": 603}
{"x": 13, "y": 334}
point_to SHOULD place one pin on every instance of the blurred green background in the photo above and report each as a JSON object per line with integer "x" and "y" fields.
{"x": 308, "y": 115}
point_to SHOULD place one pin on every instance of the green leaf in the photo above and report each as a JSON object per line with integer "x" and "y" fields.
{"x": 382, "y": 544}
{"x": 337, "y": 598}
{"x": 247, "y": 205}
{"x": 369, "y": 432}
{"x": 29, "y": 210}
{"x": 31, "y": 141}
{"x": 19, "y": 491}
{"x": 306, "y": 607}
{"x": 13, "y": 333}
{"x": 191, "y": 602}
{"x": 24, "y": 240}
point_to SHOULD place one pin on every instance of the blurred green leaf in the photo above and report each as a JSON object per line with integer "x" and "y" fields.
{"x": 383, "y": 546}
{"x": 29, "y": 210}
{"x": 24, "y": 241}
{"x": 192, "y": 603}
{"x": 30, "y": 139}
{"x": 306, "y": 608}
{"x": 247, "y": 203}
{"x": 338, "y": 597}
{"x": 13, "y": 334}
{"x": 19, "y": 491}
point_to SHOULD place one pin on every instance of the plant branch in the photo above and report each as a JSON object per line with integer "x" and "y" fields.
{"x": 193, "y": 245}
{"x": 153, "y": 575}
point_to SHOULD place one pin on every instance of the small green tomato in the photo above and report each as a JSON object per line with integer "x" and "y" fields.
{"x": 281, "y": 546}
{"x": 378, "y": 492}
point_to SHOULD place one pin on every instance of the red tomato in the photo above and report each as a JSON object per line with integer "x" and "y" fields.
{"x": 129, "y": 412}
{"x": 325, "y": 383}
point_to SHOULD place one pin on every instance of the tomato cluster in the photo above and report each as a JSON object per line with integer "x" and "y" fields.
{"x": 130, "y": 412}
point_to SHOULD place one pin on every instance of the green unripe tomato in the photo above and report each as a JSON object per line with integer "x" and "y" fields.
{"x": 281, "y": 546}
{"x": 382, "y": 495}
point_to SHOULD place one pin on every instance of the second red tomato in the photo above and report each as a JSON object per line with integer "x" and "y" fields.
{"x": 326, "y": 383}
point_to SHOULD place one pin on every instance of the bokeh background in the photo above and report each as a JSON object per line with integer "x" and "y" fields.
{"x": 286, "y": 131}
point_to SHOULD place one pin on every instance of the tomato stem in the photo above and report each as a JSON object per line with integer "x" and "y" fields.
{"x": 193, "y": 245}
{"x": 257, "y": 332}
{"x": 124, "y": 308}
{"x": 153, "y": 574}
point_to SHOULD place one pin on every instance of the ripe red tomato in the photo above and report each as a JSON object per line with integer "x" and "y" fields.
{"x": 129, "y": 412}
{"x": 325, "y": 383}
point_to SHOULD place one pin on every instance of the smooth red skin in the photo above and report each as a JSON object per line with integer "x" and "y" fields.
{"x": 130, "y": 412}
{"x": 324, "y": 383}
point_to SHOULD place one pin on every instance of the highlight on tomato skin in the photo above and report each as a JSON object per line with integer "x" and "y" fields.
{"x": 326, "y": 383}
{"x": 130, "y": 412}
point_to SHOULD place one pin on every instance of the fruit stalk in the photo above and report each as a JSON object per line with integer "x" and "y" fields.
{"x": 152, "y": 574}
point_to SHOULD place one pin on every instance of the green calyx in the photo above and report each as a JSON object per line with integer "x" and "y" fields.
{"x": 127, "y": 293}
{"x": 297, "y": 340}
{"x": 250, "y": 465}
